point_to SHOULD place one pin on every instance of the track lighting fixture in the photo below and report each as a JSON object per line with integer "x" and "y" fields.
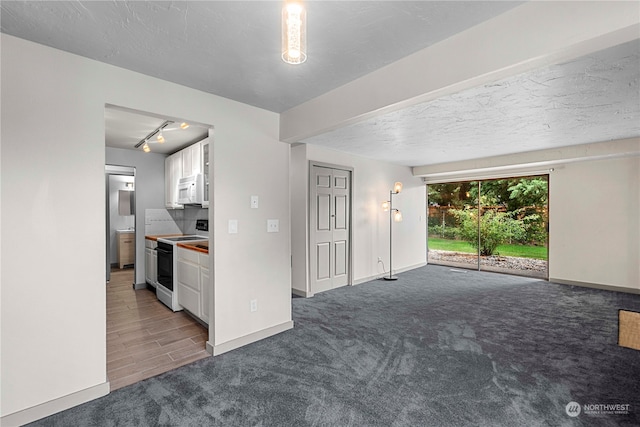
{"x": 144, "y": 142}
{"x": 157, "y": 132}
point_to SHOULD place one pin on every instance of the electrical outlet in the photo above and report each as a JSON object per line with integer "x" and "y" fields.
{"x": 273, "y": 226}
{"x": 254, "y": 305}
{"x": 254, "y": 202}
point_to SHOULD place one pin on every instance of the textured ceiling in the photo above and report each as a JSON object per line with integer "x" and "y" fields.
{"x": 232, "y": 49}
{"x": 591, "y": 99}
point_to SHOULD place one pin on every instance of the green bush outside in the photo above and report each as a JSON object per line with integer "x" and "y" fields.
{"x": 444, "y": 232}
{"x": 515, "y": 250}
{"x": 495, "y": 228}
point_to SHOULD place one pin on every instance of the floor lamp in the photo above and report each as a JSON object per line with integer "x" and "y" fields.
{"x": 394, "y": 215}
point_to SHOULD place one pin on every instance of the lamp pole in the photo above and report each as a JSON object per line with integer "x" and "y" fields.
{"x": 388, "y": 205}
{"x": 391, "y": 210}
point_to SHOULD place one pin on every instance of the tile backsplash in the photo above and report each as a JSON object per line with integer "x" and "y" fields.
{"x": 174, "y": 221}
{"x": 189, "y": 216}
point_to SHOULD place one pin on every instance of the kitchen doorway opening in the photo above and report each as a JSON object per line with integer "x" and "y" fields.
{"x": 144, "y": 336}
{"x": 498, "y": 225}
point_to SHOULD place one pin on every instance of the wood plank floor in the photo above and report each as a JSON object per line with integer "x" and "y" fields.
{"x": 144, "y": 337}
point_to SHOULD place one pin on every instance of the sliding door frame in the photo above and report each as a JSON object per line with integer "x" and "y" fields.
{"x": 479, "y": 180}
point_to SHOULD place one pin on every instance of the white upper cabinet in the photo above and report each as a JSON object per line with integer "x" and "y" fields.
{"x": 204, "y": 144}
{"x": 172, "y": 174}
{"x": 186, "y": 162}
{"x": 191, "y": 160}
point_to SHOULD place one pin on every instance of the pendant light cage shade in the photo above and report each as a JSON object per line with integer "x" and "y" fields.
{"x": 294, "y": 33}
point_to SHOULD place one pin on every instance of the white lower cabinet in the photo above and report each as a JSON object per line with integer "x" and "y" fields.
{"x": 205, "y": 288}
{"x": 154, "y": 267}
{"x": 151, "y": 262}
{"x": 193, "y": 282}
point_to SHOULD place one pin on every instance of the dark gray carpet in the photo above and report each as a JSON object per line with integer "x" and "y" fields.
{"x": 436, "y": 348}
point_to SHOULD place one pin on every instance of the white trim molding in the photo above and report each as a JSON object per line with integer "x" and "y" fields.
{"x": 381, "y": 275}
{"x": 216, "y": 350}
{"x": 54, "y": 406}
{"x": 301, "y": 293}
{"x": 595, "y": 286}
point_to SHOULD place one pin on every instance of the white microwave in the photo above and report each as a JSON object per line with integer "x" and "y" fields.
{"x": 190, "y": 190}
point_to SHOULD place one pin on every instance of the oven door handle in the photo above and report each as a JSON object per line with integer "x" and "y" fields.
{"x": 164, "y": 251}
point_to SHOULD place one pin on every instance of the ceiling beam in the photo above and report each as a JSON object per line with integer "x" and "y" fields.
{"x": 530, "y": 36}
{"x": 527, "y": 162}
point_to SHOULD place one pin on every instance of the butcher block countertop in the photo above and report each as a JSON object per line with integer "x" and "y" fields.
{"x": 159, "y": 236}
{"x": 201, "y": 246}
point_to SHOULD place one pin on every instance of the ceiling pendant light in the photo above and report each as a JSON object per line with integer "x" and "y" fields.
{"x": 294, "y": 33}
{"x": 145, "y": 147}
{"x": 160, "y": 137}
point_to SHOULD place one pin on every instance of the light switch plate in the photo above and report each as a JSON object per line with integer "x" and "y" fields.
{"x": 254, "y": 202}
{"x": 233, "y": 226}
{"x": 273, "y": 226}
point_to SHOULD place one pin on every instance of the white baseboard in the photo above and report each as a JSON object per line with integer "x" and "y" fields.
{"x": 381, "y": 275}
{"x": 216, "y": 350}
{"x": 54, "y": 406}
{"x": 138, "y": 286}
{"x": 300, "y": 293}
{"x": 595, "y": 286}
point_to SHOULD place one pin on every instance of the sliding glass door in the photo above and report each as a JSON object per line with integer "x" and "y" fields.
{"x": 494, "y": 225}
{"x": 447, "y": 203}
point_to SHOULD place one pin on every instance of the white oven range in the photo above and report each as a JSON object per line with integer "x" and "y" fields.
{"x": 167, "y": 264}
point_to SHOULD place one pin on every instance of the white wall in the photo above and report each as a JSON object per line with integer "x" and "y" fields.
{"x": 372, "y": 181}
{"x": 251, "y": 264}
{"x": 594, "y": 223}
{"x": 53, "y": 315}
{"x": 299, "y": 185}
